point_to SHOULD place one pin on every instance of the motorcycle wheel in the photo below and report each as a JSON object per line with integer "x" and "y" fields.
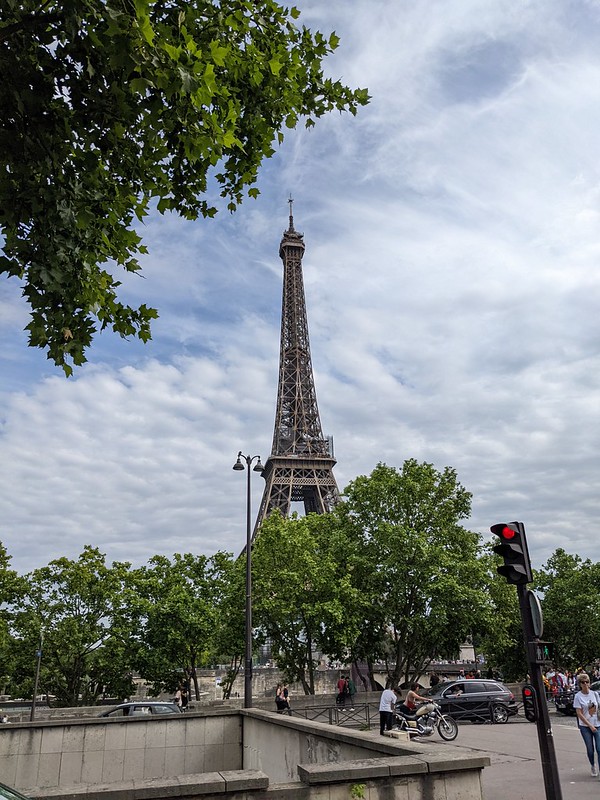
{"x": 448, "y": 729}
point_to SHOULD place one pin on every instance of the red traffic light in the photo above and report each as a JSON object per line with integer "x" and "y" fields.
{"x": 507, "y": 533}
{"x": 530, "y": 703}
{"x": 513, "y": 549}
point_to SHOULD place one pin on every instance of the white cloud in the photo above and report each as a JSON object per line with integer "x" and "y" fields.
{"x": 452, "y": 283}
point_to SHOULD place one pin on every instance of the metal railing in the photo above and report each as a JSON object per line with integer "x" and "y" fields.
{"x": 357, "y": 716}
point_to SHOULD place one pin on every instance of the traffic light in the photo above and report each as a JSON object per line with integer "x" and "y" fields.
{"x": 529, "y": 702}
{"x": 513, "y": 549}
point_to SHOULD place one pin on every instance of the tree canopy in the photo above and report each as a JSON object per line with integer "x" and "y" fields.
{"x": 113, "y": 106}
{"x": 389, "y": 579}
{"x": 421, "y": 583}
{"x": 571, "y": 606}
{"x": 73, "y": 605}
{"x": 502, "y": 640}
{"x": 304, "y": 600}
{"x": 173, "y": 610}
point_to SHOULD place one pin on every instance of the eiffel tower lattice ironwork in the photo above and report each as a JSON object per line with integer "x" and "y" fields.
{"x": 300, "y": 467}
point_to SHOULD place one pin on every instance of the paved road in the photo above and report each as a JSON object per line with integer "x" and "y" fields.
{"x": 516, "y": 770}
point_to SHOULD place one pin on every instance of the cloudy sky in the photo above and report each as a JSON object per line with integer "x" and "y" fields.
{"x": 452, "y": 275}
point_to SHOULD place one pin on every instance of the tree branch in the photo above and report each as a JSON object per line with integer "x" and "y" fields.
{"x": 29, "y": 22}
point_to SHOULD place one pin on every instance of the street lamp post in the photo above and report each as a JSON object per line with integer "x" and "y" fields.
{"x": 38, "y": 656}
{"x": 258, "y": 467}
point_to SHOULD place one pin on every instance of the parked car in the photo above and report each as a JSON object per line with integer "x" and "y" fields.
{"x": 143, "y": 708}
{"x": 475, "y": 700}
{"x": 10, "y": 794}
{"x": 564, "y": 701}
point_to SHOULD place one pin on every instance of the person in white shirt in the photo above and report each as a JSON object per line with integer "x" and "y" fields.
{"x": 387, "y": 704}
{"x": 585, "y": 704}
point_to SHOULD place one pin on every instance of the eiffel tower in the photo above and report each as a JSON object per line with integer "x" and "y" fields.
{"x": 300, "y": 467}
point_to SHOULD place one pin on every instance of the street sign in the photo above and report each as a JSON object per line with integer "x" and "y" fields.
{"x": 536, "y": 614}
{"x": 541, "y": 652}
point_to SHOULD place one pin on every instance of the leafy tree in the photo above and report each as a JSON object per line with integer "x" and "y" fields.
{"x": 229, "y": 639}
{"x": 571, "y": 607}
{"x": 416, "y": 568}
{"x": 302, "y": 593}
{"x": 114, "y": 105}
{"x": 11, "y": 587}
{"x": 501, "y": 637}
{"x": 174, "y": 612}
{"x": 72, "y": 603}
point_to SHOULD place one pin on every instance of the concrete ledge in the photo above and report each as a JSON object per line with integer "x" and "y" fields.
{"x": 406, "y": 765}
{"x": 360, "y": 769}
{"x": 206, "y": 783}
{"x": 438, "y": 762}
{"x": 242, "y": 780}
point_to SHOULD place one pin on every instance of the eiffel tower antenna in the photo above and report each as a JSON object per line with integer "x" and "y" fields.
{"x": 300, "y": 467}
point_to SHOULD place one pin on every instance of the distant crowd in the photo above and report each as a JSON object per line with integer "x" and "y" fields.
{"x": 557, "y": 680}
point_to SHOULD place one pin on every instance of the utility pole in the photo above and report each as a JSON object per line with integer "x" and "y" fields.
{"x": 517, "y": 571}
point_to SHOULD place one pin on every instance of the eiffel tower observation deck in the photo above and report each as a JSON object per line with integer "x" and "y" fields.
{"x": 300, "y": 467}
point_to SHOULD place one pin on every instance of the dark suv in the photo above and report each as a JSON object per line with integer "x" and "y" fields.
{"x": 475, "y": 700}
{"x": 564, "y": 700}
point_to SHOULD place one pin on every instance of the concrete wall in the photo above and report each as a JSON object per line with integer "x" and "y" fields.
{"x": 276, "y": 744}
{"x": 90, "y": 751}
{"x": 249, "y": 755}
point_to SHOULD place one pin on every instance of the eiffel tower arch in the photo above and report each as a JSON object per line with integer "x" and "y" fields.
{"x": 300, "y": 467}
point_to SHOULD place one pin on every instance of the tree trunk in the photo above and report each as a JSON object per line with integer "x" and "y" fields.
{"x": 311, "y": 665}
{"x": 230, "y": 676}
{"x": 361, "y": 677}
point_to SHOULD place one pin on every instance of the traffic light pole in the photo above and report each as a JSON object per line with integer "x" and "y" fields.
{"x": 544, "y": 728}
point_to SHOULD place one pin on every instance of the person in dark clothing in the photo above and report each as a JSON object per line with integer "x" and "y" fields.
{"x": 351, "y": 691}
{"x": 342, "y": 687}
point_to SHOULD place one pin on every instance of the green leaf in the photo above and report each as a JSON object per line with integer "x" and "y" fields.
{"x": 275, "y": 66}
{"x": 166, "y": 103}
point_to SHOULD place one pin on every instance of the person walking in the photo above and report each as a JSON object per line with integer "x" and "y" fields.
{"x": 585, "y": 704}
{"x": 387, "y": 704}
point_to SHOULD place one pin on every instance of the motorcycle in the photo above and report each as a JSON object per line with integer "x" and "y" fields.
{"x": 426, "y": 719}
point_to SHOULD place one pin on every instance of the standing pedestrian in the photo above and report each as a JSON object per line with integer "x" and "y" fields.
{"x": 585, "y": 704}
{"x": 286, "y": 697}
{"x": 280, "y": 700}
{"x": 387, "y": 704}
{"x": 342, "y": 687}
{"x": 184, "y": 698}
{"x": 351, "y": 691}
{"x": 178, "y": 696}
